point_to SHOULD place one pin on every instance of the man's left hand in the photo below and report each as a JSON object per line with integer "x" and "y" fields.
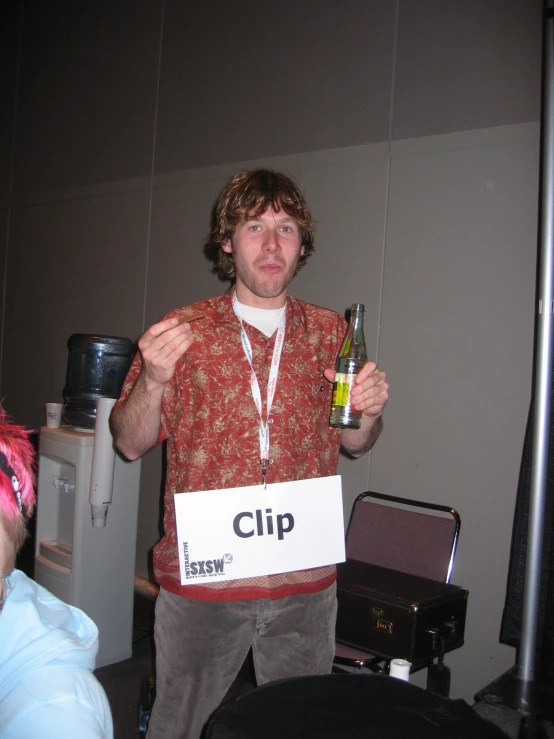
{"x": 370, "y": 390}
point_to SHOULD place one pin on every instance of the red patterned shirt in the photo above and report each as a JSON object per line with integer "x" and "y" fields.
{"x": 211, "y": 425}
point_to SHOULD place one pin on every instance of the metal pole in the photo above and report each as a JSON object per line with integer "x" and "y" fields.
{"x": 543, "y": 368}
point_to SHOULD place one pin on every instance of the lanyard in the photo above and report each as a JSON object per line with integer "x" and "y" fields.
{"x": 271, "y": 384}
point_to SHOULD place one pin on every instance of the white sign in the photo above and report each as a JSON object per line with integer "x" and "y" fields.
{"x": 250, "y": 531}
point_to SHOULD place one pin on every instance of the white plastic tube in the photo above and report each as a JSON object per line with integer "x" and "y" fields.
{"x": 103, "y": 464}
{"x": 400, "y": 668}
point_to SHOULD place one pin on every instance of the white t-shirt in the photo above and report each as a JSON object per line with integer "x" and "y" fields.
{"x": 265, "y": 320}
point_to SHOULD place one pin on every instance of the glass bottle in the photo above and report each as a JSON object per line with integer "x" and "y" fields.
{"x": 351, "y": 359}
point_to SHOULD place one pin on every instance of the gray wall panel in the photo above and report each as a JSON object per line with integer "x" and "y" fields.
{"x": 264, "y": 80}
{"x": 457, "y": 342}
{"x": 178, "y": 272}
{"x": 86, "y": 106}
{"x": 81, "y": 269}
{"x": 466, "y": 65}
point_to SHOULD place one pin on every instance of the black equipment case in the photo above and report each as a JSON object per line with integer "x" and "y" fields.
{"x": 391, "y": 614}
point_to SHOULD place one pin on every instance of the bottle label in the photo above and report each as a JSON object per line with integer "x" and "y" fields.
{"x": 341, "y": 389}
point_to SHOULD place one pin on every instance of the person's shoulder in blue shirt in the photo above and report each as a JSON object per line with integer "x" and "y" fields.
{"x": 47, "y": 658}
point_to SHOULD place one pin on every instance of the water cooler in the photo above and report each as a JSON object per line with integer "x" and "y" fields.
{"x": 89, "y": 567}
{"x": 89, "y": 563}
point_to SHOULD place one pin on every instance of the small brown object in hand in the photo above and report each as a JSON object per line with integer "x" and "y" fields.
{"x": 191, "y": 317}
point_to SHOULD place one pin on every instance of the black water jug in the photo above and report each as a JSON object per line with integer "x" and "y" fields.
{"x": 96, "y": 368}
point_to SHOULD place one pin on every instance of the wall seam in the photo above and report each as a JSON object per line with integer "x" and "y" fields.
{"x": 152, "y": 170}
{"x": 437, "y": 143}
{"x": 387, "y": 198}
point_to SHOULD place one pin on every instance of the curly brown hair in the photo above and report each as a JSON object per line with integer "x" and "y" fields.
{"x": 250, "y": 193}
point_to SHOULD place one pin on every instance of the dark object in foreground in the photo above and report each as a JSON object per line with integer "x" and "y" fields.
{"x": 346, "y": 706}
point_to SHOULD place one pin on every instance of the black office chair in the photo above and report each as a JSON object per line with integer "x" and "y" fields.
{"x": 400, "y": 534}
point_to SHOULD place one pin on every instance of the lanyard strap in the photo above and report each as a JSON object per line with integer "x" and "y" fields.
{"x": 271, "y": 384}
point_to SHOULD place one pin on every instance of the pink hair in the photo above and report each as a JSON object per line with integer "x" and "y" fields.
{"x": 20, "y": 455}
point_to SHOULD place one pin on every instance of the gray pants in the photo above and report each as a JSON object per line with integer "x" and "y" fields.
{"x": 201, "y": 646}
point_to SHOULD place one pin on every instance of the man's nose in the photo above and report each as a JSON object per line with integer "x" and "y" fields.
{"x": 271, "y": 242}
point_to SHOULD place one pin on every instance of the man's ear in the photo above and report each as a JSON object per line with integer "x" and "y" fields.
{"x": 302, "y": 250}
{"x": 226, "y": 246}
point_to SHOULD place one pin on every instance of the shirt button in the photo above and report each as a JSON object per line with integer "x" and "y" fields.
{"x": 270, "y": 420}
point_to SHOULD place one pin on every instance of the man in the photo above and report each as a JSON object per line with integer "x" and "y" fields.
{"x": 194, "y": 385}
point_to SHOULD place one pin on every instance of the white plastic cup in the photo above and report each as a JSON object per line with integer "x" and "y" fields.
{"x": 399, "y": 668}
{"x": 54, "y": 415}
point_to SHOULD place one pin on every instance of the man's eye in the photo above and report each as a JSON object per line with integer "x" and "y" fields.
{"x": 254, "y": 227}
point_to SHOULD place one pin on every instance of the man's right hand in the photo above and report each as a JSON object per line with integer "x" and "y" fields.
{"x": 161, "y": 346}
{"x": 136, "y": 422}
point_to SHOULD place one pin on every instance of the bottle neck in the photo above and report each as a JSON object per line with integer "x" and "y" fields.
{"x": 354, "y": 342}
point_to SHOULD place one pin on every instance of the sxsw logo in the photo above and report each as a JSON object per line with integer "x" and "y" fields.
{"x": 210, "y": 567}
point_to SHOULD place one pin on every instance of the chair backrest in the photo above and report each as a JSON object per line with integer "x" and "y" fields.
{"x": 401, "y": 534}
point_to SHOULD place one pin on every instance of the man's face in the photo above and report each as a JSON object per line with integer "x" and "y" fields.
{"x": 266, "y": 250}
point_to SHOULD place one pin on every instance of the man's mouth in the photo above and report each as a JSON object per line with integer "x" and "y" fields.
{"x": 271, "y": 266}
